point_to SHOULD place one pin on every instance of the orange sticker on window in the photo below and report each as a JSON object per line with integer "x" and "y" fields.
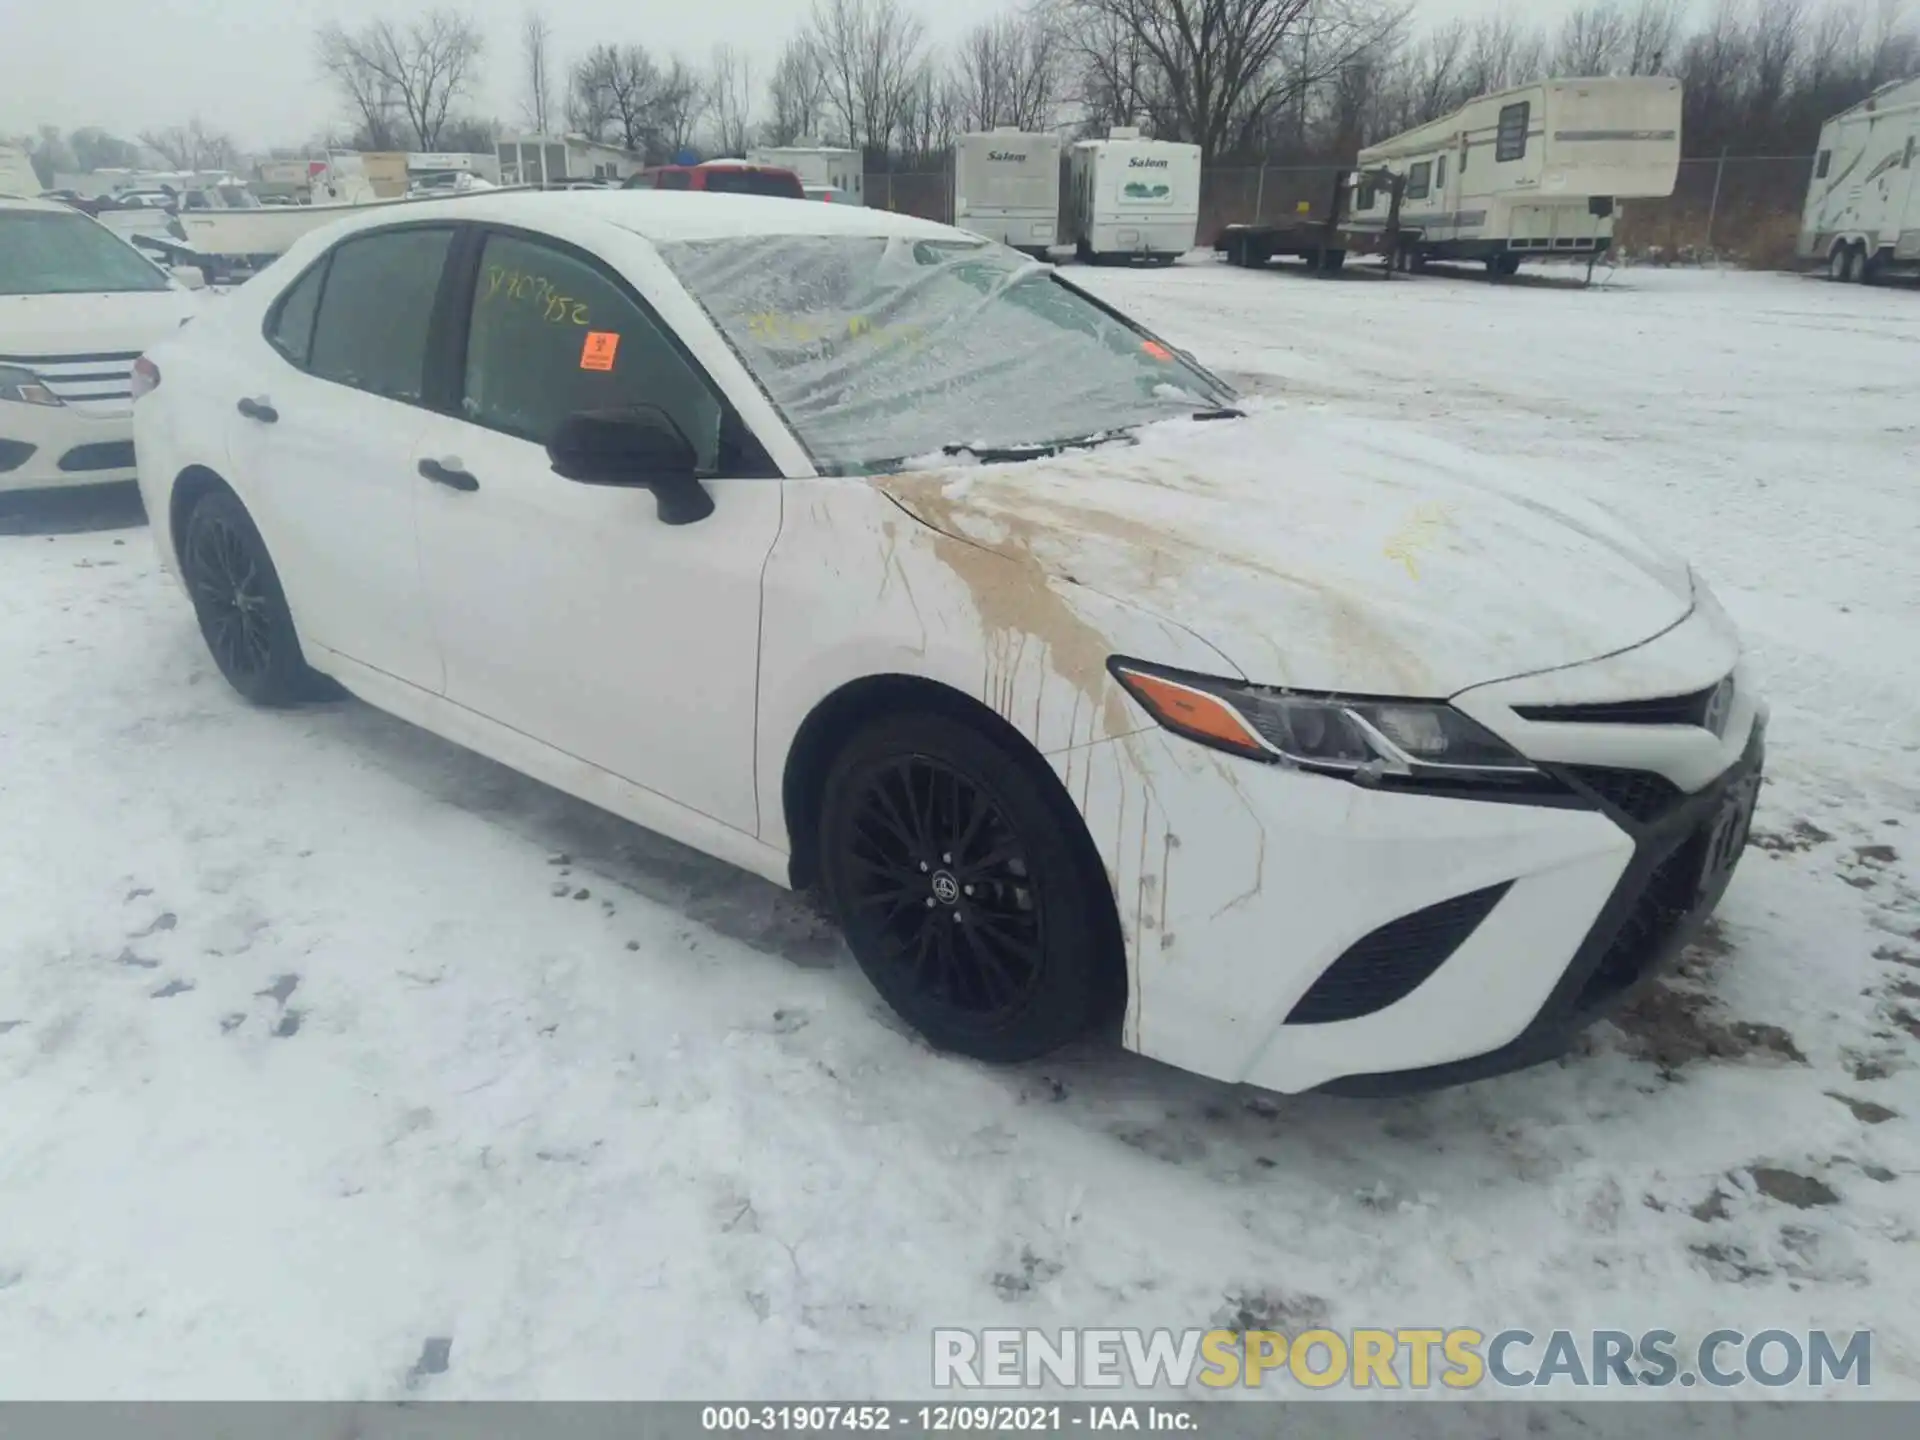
{"x": 1156, "y": 349}
{"x": 599, "y": 350}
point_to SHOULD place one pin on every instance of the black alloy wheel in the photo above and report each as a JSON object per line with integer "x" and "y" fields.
{"x": 961, "y": 889}
{"x": 241, "y": 607}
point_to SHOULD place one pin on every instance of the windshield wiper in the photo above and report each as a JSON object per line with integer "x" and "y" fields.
{"x": 1038, "y": 450}
{"x": 1224, "y": 412}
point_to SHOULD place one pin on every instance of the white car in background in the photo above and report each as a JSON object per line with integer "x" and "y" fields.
{"x": 77, "y": 306}
{"x": 862, "y": 552}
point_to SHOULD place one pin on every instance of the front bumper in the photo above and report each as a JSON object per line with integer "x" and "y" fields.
{"x": 52, "y": 446}
{"x": 1296, "y": 932}
{"x": 1682, "y": 864}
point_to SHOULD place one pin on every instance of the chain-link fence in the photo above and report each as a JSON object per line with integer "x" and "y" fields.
{"x": 1740, "y": 208}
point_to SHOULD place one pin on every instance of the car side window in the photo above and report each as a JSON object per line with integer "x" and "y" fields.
{"x": 553, "y": 333}
{"x": 1419, "y": 180}
{"x": 290, "y": 326}
{"x": 371, "y": 330}
{"x": 1826, "y": 160}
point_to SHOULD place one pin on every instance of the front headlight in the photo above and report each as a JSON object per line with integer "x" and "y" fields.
{"x": 1373, "y": 742}
{"x": 25, "y": 387}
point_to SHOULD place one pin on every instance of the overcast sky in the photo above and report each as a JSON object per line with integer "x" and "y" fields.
{"x": 246, "y": 66}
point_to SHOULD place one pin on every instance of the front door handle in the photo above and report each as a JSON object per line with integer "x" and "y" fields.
{"x": 448, "y": 474}
{"x": 258, "y": 410}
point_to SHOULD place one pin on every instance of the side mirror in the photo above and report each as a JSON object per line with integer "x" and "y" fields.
{"x": 191, "y": 276}
{"x": 639, "y": 446}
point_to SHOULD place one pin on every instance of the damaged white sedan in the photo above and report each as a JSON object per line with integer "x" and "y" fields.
{"x": 865, "y": 554}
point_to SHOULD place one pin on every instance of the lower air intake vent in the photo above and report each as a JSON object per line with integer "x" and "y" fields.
{"x": 1640, "y": 794}
{"x": 1388, "y": 965}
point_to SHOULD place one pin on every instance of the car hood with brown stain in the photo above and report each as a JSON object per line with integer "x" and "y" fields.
{"x": 1325, "y": 553}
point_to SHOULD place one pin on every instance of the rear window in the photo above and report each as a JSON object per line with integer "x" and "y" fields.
{"x": 754, "y": 182}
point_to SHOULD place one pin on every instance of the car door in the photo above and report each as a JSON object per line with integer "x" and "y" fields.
{"x": 323, "y": 440}
{"x": 568, "y": 611}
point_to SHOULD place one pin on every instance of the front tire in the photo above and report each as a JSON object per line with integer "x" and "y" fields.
{"x": 241, "y": 608}
{"x": 965, "y": 890}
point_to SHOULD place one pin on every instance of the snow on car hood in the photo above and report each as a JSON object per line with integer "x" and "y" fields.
{"x": 1325, "y": 553}
{"x": 118, "y": 323}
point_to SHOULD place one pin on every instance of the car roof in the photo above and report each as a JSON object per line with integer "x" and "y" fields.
{"x": 33, "y": 202}
{"x": 669, "y": 215}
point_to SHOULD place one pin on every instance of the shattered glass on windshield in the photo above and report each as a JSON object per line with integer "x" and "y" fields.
{"x": 881, "y": 349}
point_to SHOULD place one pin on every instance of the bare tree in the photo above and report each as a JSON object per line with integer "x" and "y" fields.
{"x": 1591, "y": 40}
{"x": 730, "y": 99}
{"x": 1652, "y": 42}
{"x": 193, "y": 147}
{"x": 796, "y": 94}
{"x": 683, "y": 102}
{"x": 617, "y": 88}
{"x": 403, "y": 82}
{"x": 1116, "y": 76}
{"x": 1218, "y": 72}
{"x": 871, "y": 53}
{"x": 1007, "y": 72}
{"x": 931, "y": 117}
{"x": 536, "y": 58}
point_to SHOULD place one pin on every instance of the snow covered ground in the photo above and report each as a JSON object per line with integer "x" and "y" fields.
{"x": 337, "y": 1062}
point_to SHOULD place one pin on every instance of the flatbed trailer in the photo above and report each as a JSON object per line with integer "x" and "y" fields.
{"x": 1321, "y": 233}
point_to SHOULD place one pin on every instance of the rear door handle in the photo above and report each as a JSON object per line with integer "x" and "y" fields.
{"x": 449, "y": 475}
{"x": 258, "y": 410}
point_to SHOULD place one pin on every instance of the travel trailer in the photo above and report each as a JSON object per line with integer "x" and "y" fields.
{"x": 1526, "y": 173}
{"x": 1006, "y": 186}
{"x": 1132, "y": 199}
{"x": 1862, "y": 217}
{"x": 818, "y": 165}
{"x": 17, "y": 175}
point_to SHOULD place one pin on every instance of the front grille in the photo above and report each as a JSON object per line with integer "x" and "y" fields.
{"x": 1670, "y": 892}
{"x": 102, "y": 455}
{"x": 1386, "y": 966}
{"x": 1641, "y": 795}
{"x": 91, "y": 384}
{"x": 14, "y": 454}
{"x": 1659, "y": 710}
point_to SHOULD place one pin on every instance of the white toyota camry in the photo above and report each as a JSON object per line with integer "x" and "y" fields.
{"x": 865, "y": 554}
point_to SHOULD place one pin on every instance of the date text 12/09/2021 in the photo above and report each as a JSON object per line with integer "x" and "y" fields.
{"x": 949, "y": 1419}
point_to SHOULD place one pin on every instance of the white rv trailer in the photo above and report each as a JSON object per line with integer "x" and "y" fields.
{"x": 1133, "y": 199}
{"x": 818, "y": 165}
{"x": 1006, "y": 186}
{"x": 1862, "y": 217}
{"x": 1527, "y": 173}
{"x": 17, "y": 175}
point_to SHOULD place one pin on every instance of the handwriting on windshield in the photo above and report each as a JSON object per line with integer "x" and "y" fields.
{"x": 537, "y": 290}
{"x": 769, "y": 327}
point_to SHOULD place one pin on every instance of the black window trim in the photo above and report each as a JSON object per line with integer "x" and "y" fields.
{"x": 270, "y": 322}
{"x": 453, "y": 319}
{"x": 324, "y": 262}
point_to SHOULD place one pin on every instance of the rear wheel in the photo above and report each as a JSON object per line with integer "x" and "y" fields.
{"x": 965, "y": 890}
{"x": 1505, "y": 265}
{"x": 241, "y": 608}
{"x": 1842, "y": 265}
